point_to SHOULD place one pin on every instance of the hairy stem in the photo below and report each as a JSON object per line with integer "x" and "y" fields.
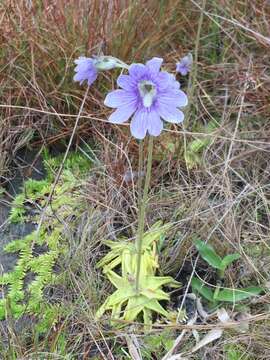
{"x": 140, "y": 173}
{"x": 142, "y": 209}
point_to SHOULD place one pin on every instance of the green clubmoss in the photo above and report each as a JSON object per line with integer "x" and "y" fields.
{"x": 24, "y": 296}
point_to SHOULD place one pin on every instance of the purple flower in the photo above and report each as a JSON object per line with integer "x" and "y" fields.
{"x": 88, "y": 68}
{"x": 184, "y": 65}
{"x": 85, "y": 70}
{"x": 149, "y": 95}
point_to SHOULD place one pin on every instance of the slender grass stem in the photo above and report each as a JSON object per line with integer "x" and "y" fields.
{"x": 142, "y": 210}
{"x": 193, "y": 75}
{"x": 196, "y": 51}
{"x": 192, "y": 81}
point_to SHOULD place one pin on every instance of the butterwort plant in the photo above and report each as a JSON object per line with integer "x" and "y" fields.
{"x": 148, "y": 96}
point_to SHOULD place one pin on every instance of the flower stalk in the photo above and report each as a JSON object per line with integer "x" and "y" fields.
{"x": 140, "y": 172}
{"x": 142, "y": 209}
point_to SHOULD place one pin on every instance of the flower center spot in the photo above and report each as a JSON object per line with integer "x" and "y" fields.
{"x": 147, "y": 91}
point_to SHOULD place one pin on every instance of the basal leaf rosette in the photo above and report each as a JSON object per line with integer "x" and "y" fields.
{"x": 126, "y": 304}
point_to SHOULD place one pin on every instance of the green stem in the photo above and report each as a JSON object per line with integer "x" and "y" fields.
{"x": 221, "y": 273}
{"x": 217, "y": 291}
{"x": 142, "y": 209}
{"x": 140, "y": 173}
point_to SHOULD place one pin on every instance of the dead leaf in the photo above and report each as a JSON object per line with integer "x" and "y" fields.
{"x": 169, "y": 355}
{"x": 209, "y": 337}
{"x": 133, "y": 347}
{"x": 223, "y": 316}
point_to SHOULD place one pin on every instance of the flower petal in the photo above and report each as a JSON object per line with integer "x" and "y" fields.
{"x": 118, "y": 98}
{"x": 91, "y": 78}
{"x": 173, "y": 98}
{"x": 155, "y": 124}
{"x": 83, "y": 63}
{"x": 172, "y": 115}
{"x": 85, "y": 70}
{"x": 122, "y": 114}
{"x": 82, "y": 76}
{"x": 182, "y": 69}
{"x": 166, "y": 81}
{"x": 154, "y": 65}
{"x": 139, "y": 124}
{"x": 175, "y": 84}
{"x": 126, "y": 82}
{"x": 137, "y": 71}
{"x": 163, "y": 80}
{"x": 184, "y": 65}
{"x": 79, "y": 77}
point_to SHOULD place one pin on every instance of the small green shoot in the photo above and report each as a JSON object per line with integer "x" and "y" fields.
{"x": 194, "y": 152}
{"x": 208, "y": 253}
{"x": 225, "y": 295}
{"x": 217, "y": 294}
